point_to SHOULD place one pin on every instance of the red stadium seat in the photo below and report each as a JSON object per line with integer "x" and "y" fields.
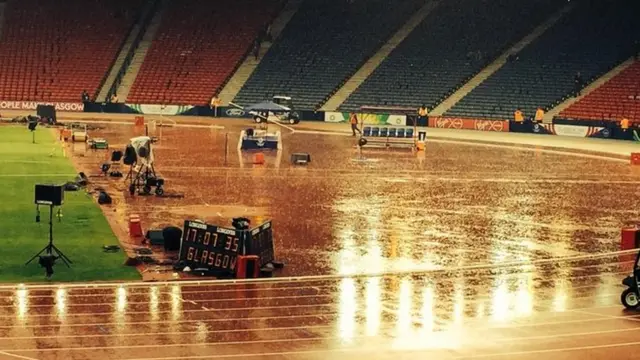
{"x": 197, "y": 48}
{"x": 617, "y": 98}
{"x": 54, "y": 50}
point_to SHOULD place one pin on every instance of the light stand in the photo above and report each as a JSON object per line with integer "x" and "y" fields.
{"x": 32, "y": 127}
{"x": 50, "y": 253}
{"x": 361, "y": 143}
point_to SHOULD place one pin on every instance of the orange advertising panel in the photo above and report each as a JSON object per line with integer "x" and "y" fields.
{"x": 469, "y": 124}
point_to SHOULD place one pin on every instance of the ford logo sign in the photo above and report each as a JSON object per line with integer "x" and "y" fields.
{"x": 235, "y": 112}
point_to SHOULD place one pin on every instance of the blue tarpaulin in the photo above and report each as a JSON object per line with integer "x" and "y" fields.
{"x": 266, "y": 106}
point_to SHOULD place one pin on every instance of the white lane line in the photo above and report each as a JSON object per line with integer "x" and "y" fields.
{"x": 329, "y": 315}
{"x": 247, "y": 308}
{"x": 143, "y": 334}
{"x": 613, "y": 317}
{"x": 16, "y": 356}
{"x": 180, "y": 345}
{"x": 311, "y": 278}
{"x": 286, "y": 354}
{"x": 509, "y": 276}
{"x": 149, "y": 322}
{"x": 479, "y": 299}
{"x": 312, "y": 339}
{"x": 549, "y": 351}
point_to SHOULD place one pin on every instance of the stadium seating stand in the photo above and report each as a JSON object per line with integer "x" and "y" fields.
{"x": 52, "y": 51}
{"x": 617, "y": 98}
{"x": 448, "y": 48}
{"x": 322, "y": 46}
{"x": 197, "y": 48}
{"x": 592, "y": 39}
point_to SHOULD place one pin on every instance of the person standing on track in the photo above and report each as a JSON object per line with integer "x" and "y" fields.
{"x": 518, "y": 116}
{"x": 539, "y": 117}
{"x": 214, "y": 104}
{"x": 423, "y": 112}
{"x": 353, "y": 119}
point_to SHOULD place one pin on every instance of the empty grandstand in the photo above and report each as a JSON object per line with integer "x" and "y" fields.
{"x": 447, "y": 49}
{"x": 52, "y": 51}
{"x": 197, "y": 48}
{"x": 592, "y": 39}
{"x": 322, "y": 45}
{"x": 616, "y": 99}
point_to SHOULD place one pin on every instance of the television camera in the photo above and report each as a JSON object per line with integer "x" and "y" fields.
{"x": 142, "y": 175}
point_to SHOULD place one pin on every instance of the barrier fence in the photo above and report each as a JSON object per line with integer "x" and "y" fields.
{"x": 560, "y": 127}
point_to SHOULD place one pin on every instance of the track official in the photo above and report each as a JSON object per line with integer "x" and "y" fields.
{"x": 539, "y": 115}
{"x": 624, "y": 124}
{"x": 422, "y": 115}
{"x": 353, "y": 119}
{"x": 518, "y": 116}
{"x": 214, "y": 104}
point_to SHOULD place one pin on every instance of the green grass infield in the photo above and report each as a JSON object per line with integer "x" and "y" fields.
{"x": 81, "y": 231}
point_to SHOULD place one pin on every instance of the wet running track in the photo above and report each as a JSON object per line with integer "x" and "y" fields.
{"x": 486, "y": 253}
{"x": 507, "y": 312}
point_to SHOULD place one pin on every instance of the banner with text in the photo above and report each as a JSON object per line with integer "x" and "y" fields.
{"x": 32, "y": 105}
{"x": 572, "y": 130}
{"x": 469, "y": 124}
{"x": 156, "y": 109}
{"x": 367, "y": 119}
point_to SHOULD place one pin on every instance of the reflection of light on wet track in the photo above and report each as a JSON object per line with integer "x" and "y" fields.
{"x": 61, "y": 303}
{"x": 408, "y": 316}
{"x": 405, "y": 302}
{"x": 411, "y": 330}
{"x": 22, "y": 302}
{"x": 373, "y": 303}
{"x": 348, "y": 310}
{"x": 119, "y": 317}
{"x": 154, "y": 302}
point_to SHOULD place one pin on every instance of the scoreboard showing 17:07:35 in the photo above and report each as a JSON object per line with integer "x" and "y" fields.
{"x": 212, "y": 247}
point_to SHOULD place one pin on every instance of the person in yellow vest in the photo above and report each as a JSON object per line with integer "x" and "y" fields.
{"x": 214, "y": 104}
{"x": 353, "y": 120}
{"x": 518, "y": 116}
{"x": 422, "y": 115}
{"x": 624, "y": 124}
{"x": 539, "y": 115}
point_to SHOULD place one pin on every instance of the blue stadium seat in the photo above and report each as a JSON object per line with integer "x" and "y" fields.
{"x": 409, "y": 133}
{"x": 323, "y": 44}
{"x": 366, "y": 131}
{"x": 392, "y": 132}
{"x": 455, "y": 42}
{"x": 384, "y": 132}
{"x": 400, "y": 133}
{"x": 592, "y": 39}
{"x": 375, "y": 132}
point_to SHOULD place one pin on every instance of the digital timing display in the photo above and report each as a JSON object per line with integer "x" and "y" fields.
{"x": 217, "y": 248}
{"x": 211, "y": 247}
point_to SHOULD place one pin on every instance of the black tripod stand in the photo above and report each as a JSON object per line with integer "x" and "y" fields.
{"x": 51, "y": 250}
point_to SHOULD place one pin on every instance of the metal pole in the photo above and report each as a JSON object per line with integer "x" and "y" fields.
{"x": 226, "y": 141}
{"x": 50, "y": 230}
{"x": 415, "y": 132}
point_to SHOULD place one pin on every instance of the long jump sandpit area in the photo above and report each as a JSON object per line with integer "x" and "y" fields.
{"x": 479, "y": 249}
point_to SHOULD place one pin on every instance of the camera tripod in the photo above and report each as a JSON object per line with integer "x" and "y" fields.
{"x": 51, "y": 249}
